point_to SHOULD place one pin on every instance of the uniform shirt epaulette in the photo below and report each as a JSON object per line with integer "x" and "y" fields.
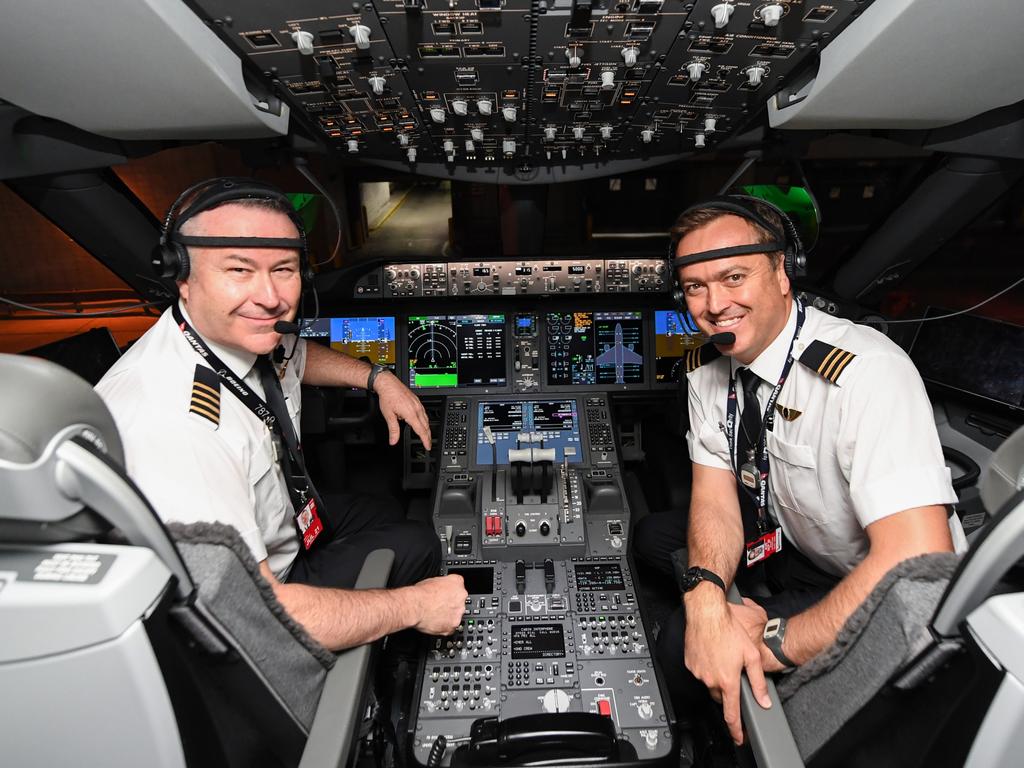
{"x": 205, "y": 400}
{"x": 827, "y": 361}
{"x": 695, "y": 358}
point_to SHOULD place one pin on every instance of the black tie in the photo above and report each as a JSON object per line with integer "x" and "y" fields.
{"x": 746, "y": 441}
{"x": 295, "y": 472}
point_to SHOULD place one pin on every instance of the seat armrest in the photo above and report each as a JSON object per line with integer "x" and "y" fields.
{"x": 771, "y": 739}
{"x": 339, "y": 713}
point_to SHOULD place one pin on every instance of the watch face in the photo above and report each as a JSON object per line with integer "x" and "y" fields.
{"x": 771, "y": 629}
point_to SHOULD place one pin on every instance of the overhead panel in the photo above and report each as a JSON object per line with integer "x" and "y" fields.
{"x": 475, "y": 88}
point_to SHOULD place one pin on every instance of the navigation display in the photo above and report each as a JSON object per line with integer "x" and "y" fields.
{"x": 367, "y": 338}
{"x": 537, "y": 641}
{"x": 671, "y": 342}
{"x": 599, "y": 577}
{"x": 595, "y": 348}
{"x": 514, "y": 423}
{"x": 457, "y": 351}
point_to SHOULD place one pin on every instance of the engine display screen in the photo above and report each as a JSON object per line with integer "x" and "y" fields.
{"x": 366, "y": 338}
{"x": 457, "y": 351}
{"x": 550, "y": 423}
{"x": 537, "y": 641}
{"x": 478, "y": 581}
{"x": 599, "y": 577}
{"x": 595, "y": 348}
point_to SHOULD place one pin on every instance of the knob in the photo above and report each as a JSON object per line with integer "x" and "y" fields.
{"x": 377, "y": 85}
{"x": 520, "y": 529}
{"x": 698, "y": 141}
{"x": 470, "y": 146}
{"x": 390, "y": 275}
{"x": 403, "y": 139}
{"x": 645, "y": 710}
{"x": 449, "y": 147}
{"x": 572, "y": 53}
{"x": 508, "y": 146}
{"x": 410, "y": 153}
{"x": 754, "y": 75}
{"x": 710, "y": 123}
{"x": 637, "y": 269}
{"x": 721, "y": 14}
{"x": 304, "y": 41}
{"x": 629, "y": 55}
{"x": 607, "y": 80}
{"x": 460, "y": 107}
{"x": 647, "y": 135}
{"x": 577, "y": 133}
{"x": 414, "y": 273}
{"x": 476, "y": 134}
{"x": 353, "y": 146}
{"x": 695, "y": 69}
{"x": 771, "y": 14}
{"x": 437, "y": 114}
{"x": 509, "y": 113}
{"x": 549, "y": 133}
{"x": 545, "y": 528}
{"x": 651, "y": 738}
{"x": 483, "y": 106}
{"x": 660, "y": 268}
{"x": 606, "y": 132}
{"x": 555, "y": 700}
{"x": 361, "y": 34}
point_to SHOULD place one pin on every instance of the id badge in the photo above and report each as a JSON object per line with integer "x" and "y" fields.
{"x": 764, "y": 547}
{"x": 309, "y": 523}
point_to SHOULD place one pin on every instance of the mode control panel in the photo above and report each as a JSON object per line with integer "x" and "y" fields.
{"x": 535, "y": 277}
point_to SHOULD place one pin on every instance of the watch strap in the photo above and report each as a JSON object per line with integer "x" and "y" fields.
{"x": 694, "y": 575}
{"x": 375, "y": 371}
{"x": 774, "y": 643}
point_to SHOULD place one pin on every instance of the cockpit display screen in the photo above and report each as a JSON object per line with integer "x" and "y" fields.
{"x": 478, "y": 581}
{"x": 457, "y": 351}
{"x": 367, "y": 338}
{"x": 528, "y": 423}
{"x": 599, "y": 577}
{"x": 595, "y": 348}
{"x": 537, "y": 641}
{"x": 671, "y": 343}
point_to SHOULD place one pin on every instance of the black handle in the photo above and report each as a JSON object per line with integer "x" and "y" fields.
{"x": 548, "y": 739}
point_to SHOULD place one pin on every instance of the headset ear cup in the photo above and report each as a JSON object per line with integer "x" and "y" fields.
{"x": 679, "y": 301}
{"x": 170, "y": 262}
{"x": 184, "y": 263}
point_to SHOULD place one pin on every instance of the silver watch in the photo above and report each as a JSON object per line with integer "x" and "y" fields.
{"x": 773, "y": 635}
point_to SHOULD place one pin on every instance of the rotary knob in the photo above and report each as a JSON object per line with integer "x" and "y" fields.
{"x": 361, "y": 34}
{"x": 470, "y": 146}
{"x": 629, "y": 55}
{"x": 414, "y": 274}
{"x": 437, "y": 114}
{"x": 754, "y": 76}
{"x": 520, "y": 529}
{"x": 555, "y": 700}
{"x": 508, "y": 146}
{"x": 549, "y": 133}
{"x": 304, "y": 42}
{"x": 645, "y": 710}
{"x": 695, "y": 69}
{"x": 476, "y": 134}
{"x": 721, "y": 13}
{"x": 403, "y": 139}
{"x": 390, "y": 275}
{"x": 484, "y": 106}
{"x": 545, "y": 528}
{"x": 606, "y": 132}
{"x": 710, "y": 124}
{"x": 577, "y": 133}
{"x": 771, "y": 14}
{"x": 460, "y": 107}
{"x": 377, "y": 85}
{"x": 698, "y": 141}
{"x": 509, "y": 113}
{"x": 647, "y": 135}
{"x": 607, "y": 80}
{"x": 353, "y": 146}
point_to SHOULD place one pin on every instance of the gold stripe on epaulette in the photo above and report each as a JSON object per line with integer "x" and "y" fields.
{"x": 198, "y": 386}
{"x": 839, "y": 368}
{"x": 832, "y": 353}
{"x": 213, "y": 403}
{"x": 201, "y": 410}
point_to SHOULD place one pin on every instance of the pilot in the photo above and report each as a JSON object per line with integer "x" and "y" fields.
{"x": 210, "y": 422}
{"x": 816, "y": 464}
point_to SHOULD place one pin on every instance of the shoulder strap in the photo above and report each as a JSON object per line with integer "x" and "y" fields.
{"x": 695, "y": 358}
{"x": 205, "y": 400}
{"x": 826, "y": 360}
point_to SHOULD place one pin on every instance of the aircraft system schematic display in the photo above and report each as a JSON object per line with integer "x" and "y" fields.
{"x": 457, "y": 351}
{"x": 595, "y": 348}
{"x": 520, "y": 424}
{"x": 671, "y": 343}
{"x": 367, "y": 338}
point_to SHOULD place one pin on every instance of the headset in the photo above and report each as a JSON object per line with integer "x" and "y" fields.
{"x": 794, "y": 259}
{"x": 170, "y": 258}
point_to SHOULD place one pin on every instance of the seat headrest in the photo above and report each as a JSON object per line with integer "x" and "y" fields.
{"x": 1004, "y": 475}
{"x": 39, "y": 400}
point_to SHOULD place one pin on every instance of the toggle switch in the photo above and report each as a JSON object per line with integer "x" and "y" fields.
{"x": 508, "y": 146}
{"x": 403, "y": 139}
{"x": 353, "y": 146}
{"x": 710, "y": 124}
{"x": 448, "y": 147}
{"x": 411, "y": 154}
{"x": 572, "y": 53}
{"x": 577, "y": 133}
{"x": 698, "y": 141}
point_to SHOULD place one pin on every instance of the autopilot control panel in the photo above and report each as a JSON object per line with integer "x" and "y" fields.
{"x": 531, "y": 511}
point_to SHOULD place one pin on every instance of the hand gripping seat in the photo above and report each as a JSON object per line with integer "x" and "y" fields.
{"x": 929, "y": 670}
{"x": 125, "y": 642}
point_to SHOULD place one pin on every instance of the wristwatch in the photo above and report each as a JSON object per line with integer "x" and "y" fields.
{"x": 694, "y": 575}
{"x": 375, "y": 371}
{"x": 773, "y": 635}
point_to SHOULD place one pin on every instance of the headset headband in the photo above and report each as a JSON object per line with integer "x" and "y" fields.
{"x": 721, "y": 253}
{"x": 239, "y": 242}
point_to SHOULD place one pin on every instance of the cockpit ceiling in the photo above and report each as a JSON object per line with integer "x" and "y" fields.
{"x": 507, "y": 90}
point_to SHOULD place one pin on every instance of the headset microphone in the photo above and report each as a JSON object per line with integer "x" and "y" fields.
{"x": 725, "y": 338}
{"x": 285, "y": 328}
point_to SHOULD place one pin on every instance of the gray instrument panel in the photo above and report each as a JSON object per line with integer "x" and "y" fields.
{"x": 552, "y": 623}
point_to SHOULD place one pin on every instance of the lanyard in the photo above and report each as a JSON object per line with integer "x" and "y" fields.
{"x": 760, "y": 448}
{"x": 298, "y": 481}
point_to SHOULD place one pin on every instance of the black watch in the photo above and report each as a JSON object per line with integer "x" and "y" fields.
{"x": 375, "y": 371}
{"x": 773, "y": 635}
{"x": 694, "y": 575}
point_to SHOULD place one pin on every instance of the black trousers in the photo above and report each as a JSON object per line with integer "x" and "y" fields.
{"x": 356, "y": 525}
{"x": 796, "y": 584}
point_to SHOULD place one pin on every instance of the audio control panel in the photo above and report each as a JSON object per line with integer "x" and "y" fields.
{"x": 532, "y": 515}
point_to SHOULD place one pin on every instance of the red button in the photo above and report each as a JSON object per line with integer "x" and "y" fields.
{"x": 497, "y": 525}
{"x": 604, "y": 707}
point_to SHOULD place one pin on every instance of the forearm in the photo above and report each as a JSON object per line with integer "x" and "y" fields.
{"x": 343, "y": 618}
{"x": 327, "y": 367}
{"x": 714, "y": 539}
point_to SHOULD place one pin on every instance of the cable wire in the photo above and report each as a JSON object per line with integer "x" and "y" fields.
{"x": 301, "y": 167}
{"x": 962, "y": 311}
{"x": 61, "y": 313}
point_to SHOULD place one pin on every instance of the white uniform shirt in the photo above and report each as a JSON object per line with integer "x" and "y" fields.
{"x": 853, "y": 452}
{"x": 191, "y": 469}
